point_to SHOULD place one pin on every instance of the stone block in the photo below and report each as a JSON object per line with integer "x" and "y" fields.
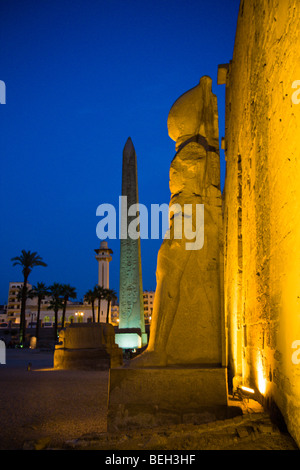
{"x": 222, "y": 74}
{"x": 87, "y": 346}
{"x": 130, "y": 338}
{"x": 157, "y": 396}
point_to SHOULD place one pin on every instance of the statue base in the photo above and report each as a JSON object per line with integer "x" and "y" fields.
{"x": 158, "y": 396}
{"x": 130, "y": 338}
{"x": 87, "y": 359}
{"x": 89, "y": 346}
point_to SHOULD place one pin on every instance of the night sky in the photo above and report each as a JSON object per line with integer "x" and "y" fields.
{"x": 81, "y": 77}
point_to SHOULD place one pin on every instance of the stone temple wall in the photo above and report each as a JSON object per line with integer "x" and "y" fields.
{"x": 262, "y": 205}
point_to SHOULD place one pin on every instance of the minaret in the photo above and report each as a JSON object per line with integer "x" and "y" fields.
{"x": 103, "y": 257}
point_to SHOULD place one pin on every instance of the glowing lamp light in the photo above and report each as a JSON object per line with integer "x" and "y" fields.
{"x": 262, "y": 384}
{"x": 247, "y": 389}
{"x": 243, "y": 392}
{"x": 128, "y": 340}
{"x": 261, "y": 381}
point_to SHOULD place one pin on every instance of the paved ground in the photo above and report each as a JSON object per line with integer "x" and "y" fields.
{"x": 53, "y": 404}
{"x": 54, "y": 409}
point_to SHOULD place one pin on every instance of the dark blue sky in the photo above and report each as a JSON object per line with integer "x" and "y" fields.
{"x": 81, "y": 77}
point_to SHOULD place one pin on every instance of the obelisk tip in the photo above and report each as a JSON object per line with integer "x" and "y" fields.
{"x": 129, "y": 148}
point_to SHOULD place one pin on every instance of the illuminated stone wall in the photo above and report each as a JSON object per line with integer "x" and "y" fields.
{"x": 262, "y": 204}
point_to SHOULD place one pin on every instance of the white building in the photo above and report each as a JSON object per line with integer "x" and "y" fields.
{"x": 14, "y": 305}
{"x": 148, "y": 297}
{"x": 114, "y": 314}
{"x": 75, "y": 312}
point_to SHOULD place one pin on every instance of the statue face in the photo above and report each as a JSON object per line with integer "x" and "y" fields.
{"x": 187, "y": 170}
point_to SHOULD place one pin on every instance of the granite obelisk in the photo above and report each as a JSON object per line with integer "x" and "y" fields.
{"x": 131, "y": 332}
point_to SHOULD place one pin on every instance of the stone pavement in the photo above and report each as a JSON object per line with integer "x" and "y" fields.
{"x": 47, "y": 409}
{"x": 250, "y": 431}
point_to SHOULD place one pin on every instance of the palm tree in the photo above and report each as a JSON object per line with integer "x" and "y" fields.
{"x": 90, "y": 297}
{"x": 24, "y": 291}
{"x": 56, "y": 303}
{"x": 99, "y": 293}
{"x": 28, "y": 260}
{"x": 40, "y": 291}
{"x": 110, "y": 295}
{"x": 68, "y": 292}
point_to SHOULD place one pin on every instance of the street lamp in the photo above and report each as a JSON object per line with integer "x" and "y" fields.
{"x": 79, "y": 316}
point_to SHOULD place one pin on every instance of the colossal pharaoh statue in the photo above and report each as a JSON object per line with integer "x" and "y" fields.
{"x": 187, "y": 322}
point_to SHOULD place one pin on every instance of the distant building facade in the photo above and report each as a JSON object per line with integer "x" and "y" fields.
{"x": 76, "y": 312}
{"x": 13, "y": 309}
{"x": 148, "y": 297}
